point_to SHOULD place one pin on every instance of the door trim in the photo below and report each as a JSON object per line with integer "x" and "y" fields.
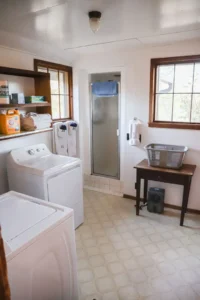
{"x": 119, "y": 126}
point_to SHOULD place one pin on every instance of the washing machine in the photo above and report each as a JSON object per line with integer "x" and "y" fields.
{"x": 36, "y": 171}
{"x": 39, "y": 240}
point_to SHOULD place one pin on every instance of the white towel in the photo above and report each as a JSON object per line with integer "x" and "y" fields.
{"x": 60, "y": 139}
{"x": 133, "y": 133}
{"x": 72, "y": 136}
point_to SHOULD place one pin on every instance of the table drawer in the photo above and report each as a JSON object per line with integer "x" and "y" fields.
{"x": 162, "y": 176}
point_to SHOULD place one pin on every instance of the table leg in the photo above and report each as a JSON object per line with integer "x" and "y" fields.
{"x": 138, "y": 193}
{"x": 145, "y": 190}
{"x": 186, "y": 192}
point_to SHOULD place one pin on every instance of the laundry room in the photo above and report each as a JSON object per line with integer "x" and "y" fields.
{"x": 99, "y": 150}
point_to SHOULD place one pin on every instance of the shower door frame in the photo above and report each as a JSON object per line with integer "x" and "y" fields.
{"x": 118, "y": 129}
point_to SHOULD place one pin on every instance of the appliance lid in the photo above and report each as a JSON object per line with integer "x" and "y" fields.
{"x": 49, "y": 163}
{"x": 17, "y": 215}
{"x": 23, "y": 218}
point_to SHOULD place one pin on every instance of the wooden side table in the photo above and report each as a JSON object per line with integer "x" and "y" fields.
{"x": 181, "y": 177}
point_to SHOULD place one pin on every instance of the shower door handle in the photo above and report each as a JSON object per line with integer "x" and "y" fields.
{"x": 117, "y": 132}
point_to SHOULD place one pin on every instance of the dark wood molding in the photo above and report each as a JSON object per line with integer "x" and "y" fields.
{"x": 155, "y": 62}
{"x": 175, "y": 60}
{"x": 173, "y": 125}
{"x": 47, "y": 64}
{"x": 176, "y": 207}
{"x": 23, "y": 73}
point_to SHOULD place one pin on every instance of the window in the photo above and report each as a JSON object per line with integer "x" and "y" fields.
{"x": 175, "y": 92}
{"x": 61, "y": 88}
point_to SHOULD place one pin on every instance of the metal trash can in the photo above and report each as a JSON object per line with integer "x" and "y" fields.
{"x": 155, "y": 200}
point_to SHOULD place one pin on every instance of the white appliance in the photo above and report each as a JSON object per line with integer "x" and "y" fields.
{"x": 37, "y": 172}
{"x": 40, "y": 248}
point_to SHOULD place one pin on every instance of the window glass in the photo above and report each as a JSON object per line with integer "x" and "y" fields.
{"x": 177, "y": 97}
{"x": 165, "y": 79}
{"x": 60, "y": 89}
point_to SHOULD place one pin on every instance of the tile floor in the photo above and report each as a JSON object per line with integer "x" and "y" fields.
{"x": 124, "y": 257}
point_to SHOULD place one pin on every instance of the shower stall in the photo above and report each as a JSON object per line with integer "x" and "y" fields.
{"x": 105, "y": 125}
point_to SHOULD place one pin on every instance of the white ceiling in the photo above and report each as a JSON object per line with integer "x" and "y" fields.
{"x": 125, "y": 24}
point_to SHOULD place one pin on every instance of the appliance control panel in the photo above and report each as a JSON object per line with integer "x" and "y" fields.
{"x": 30, "y": 152}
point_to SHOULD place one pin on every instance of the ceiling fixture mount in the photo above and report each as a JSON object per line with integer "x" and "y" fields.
{"x": 94, "y": 19}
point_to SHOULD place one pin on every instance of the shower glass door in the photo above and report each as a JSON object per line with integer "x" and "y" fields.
{"x": 105, "y": 135}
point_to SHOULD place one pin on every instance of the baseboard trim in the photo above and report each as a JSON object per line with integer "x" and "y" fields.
{"x": 189, "y": 210}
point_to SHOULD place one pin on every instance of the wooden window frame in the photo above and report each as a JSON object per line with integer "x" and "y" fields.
{"x": 155, "y": 62}
{"x": 49, "y": 65}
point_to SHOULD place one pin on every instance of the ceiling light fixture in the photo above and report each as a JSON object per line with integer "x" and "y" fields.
{"x": 94, "y": 19}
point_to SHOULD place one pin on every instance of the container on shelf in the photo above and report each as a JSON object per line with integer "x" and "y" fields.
{"x": 4, "y": 92}
{"x": 34, "y": 99}
{"x": 166, "y": 156}
{"x": 10, "y": 122}
{"x": 17, "y": 98}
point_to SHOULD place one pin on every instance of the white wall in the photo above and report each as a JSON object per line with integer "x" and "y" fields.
{"x": 135, "y": 69}
{"x": 22, "y": 60}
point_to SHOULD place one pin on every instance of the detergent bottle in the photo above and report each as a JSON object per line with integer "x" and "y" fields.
{"x": 10, "y": 121}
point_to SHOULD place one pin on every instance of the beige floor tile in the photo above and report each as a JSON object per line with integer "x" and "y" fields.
{"x": 145, "y": 289}
{"x": 192, "y": 261}
{"x": 132, "y": 243}
{"x": 116, "y": 268}
{"x": 110, "y": 296}
{"x": 91, "y": 242}
{"x": 119, "y": 245}
{"x": 127, "y": 236}
{"x": 101, "y": 271}
{"x": 131, "y": 264}
{"x": 166, "y": 268}
{"x": 171, "y": 254}
{"x": 128, "y": 292}
{"x": 85, "y": 275}
{"x": 152, "y": 272}
{"x": 175, "y": 243}
{"x": 189, "y": 276}
{"x": 180, "y": 264}
{"x": 145, "y": 261}
{"x": 160, "y": 285}
{"x": 96, "y": 296}
{"x": 96, "y": 261}
{"x": 111, "y": 257}
{"x": 115, "y": 237}
{"x": 82, "y": 264}
{"x": 186, "y": 293}
{"x": 121, "y": 280}
{"x": 124, "y": 254}
{"x": 124, "y": 257}
{"x": 137, "y": 276}
{"x": 106, "y": 248}
{"x": 138, "y": 251}
{"x": 88, "y": 288}
{"x": 92, "y": 251}
{"x": 105, "y": 284}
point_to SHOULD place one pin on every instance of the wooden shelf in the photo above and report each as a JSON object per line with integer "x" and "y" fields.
{"x": 23, "y": 73}
{"x": 26, "y": 105}
{"x": 4, "y": 137}
{"x": 42, "y": 88}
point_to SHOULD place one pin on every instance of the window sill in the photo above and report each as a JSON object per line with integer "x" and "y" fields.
{"x": 22, "y": 133}
{"x": 191, "y": 126}
{"x": 61, "y": 120}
